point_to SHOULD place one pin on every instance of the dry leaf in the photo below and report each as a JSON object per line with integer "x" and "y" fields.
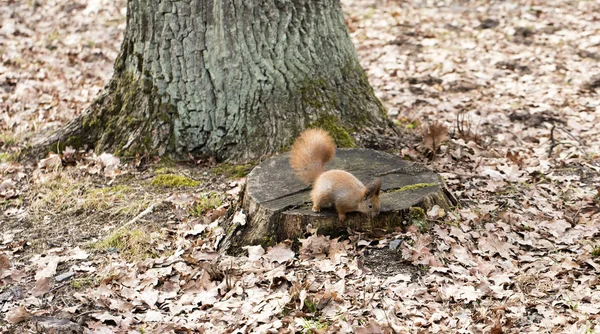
{"x": 371, "y": 328}
{"x": 17, "y": 315}
{"x": 280, "y": 253}
{"x": 254, "y": 252}
{"x": 42, "y": 286}
{"x": 52, "y": 163}
{"x": 434, "y": 135}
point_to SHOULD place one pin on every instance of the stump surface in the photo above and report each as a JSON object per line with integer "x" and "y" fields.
{"x": 278, "y": 205}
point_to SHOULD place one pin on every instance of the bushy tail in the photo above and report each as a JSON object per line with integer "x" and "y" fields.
{"x": 310, "y": 152}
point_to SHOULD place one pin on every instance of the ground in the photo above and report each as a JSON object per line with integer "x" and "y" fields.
{"x": 500, "y": 97}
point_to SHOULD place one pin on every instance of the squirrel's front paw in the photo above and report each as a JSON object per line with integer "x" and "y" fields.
{"x": 316, "y": 208}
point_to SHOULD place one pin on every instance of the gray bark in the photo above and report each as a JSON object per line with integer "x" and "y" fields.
{"x": 236, "y": 79}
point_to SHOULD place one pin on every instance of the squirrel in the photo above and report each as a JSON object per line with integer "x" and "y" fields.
{"x": 338, "y": 188}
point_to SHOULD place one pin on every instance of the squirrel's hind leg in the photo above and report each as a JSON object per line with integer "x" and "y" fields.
{"x": 319, "y": 200}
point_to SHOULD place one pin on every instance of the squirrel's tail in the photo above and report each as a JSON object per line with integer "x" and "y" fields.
{"x": 310, "y": 152}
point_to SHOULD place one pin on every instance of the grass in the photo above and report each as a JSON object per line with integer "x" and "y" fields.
{"x": 205, "y": 203}
{"x": 116, "y": 199}
{"x": 136, "y": 244}
{"x": 66, "y": 194}
{"x": 596, "y": 251}
{"x": 6, "y": 157}
{"x": 8, "y": 139}
{"x": 313, "y": 326}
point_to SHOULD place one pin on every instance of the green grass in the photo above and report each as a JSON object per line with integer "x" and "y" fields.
{"x": 6, "y": 157}
{"x": 596, "y": 251}
{"x": 313, "y": 326}
{"x": 205, "y": 203}
{"x": 136, "y": 244}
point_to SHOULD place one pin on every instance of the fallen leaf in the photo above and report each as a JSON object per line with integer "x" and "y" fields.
{"x": 42, "y": 286}
{"x": 371, "y": 328}
{"x": 434, "y": 135}
{"x": 254, "y": 252}
{"x": 280, "y": 253}
{"x": 17, "y": 315}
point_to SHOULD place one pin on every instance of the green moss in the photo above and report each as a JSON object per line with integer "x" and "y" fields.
{"x": 122, "y": 111}
{"x": 418, "y": 218}
{"x": 332, "y": 125}
{"x": 163, "y": 116}
{"x": 173, "y": 180}
{"x": 166, "y": 162}
{"x": 81, "y": 283}
{"x": 353, "y": 72}
{"x": 314, "y": 93}
{"x": 74, "y": 141}
{"x": 407, "y": 123}
{"x": 233, "y": 171}
{"x": 162, "y": 170}
{"x": 91, "y": 122}
{"x": 412, "y": 187}
{"x": 268, "y": 241}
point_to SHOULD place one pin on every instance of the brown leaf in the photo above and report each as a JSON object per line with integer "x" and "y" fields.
{"x": 314, "y": 246}
{"x": 52, "y": 163}
{"x": 17, "y": 315}
{"x": 435, "y": 135}
{"x": 4, "y": 262}
{"x": 515, "y": 158}
{"x": 371, "y": 328}
{"x": 48, "y": 269}
{"x": 42, "y": 286}
{"x": 150, "y": 296}
{"x": 280, "y": 253}
{"x": 254, "y": 252}
{"x": 497, "y": 329}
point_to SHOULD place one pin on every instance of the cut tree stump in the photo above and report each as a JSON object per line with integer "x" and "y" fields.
{"x": 278, "y": 205}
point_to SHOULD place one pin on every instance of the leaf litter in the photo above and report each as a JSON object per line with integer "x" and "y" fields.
{"x": 506, "y": 96}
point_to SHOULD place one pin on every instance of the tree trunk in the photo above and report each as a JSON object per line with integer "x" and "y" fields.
{"x": 234, "y": 79}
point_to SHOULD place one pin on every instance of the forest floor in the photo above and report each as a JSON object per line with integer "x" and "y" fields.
{"x": 504, "y": 92}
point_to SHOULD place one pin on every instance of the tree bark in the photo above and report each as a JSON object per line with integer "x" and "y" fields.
{"x": 234, "y": 79}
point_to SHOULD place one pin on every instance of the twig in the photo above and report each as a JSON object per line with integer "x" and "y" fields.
{"x": 571, "y": 135}
{"x": 141, "y": 215}
{"x": 86, "y": 313}
{"x": 577, "y": 140}
{"x": 552, "y": 142}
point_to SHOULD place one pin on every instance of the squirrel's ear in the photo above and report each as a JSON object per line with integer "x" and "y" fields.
{"x": 373, "y": 188}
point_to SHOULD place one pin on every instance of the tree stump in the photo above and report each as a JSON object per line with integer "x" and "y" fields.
{"x": 278, "y": 205}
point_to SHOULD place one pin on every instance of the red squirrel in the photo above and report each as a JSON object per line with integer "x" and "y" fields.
{"x": 338, "y": 188}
